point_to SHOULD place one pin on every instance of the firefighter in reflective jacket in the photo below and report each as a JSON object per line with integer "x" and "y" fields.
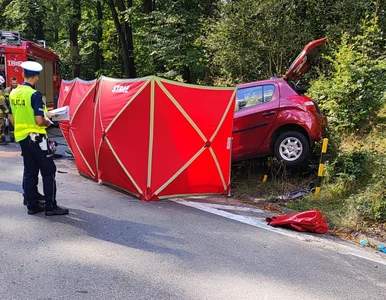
{"x": 3, "y": 113}
{"x": 7, "y": 91}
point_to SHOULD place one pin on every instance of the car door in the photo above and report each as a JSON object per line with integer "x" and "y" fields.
{"x": 256, "y": 111}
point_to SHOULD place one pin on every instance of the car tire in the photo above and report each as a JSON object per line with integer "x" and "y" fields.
{"x": 292, "y": 148}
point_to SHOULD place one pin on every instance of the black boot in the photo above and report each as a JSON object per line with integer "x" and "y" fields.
{"x": 56, "y": 211}
{"x": 39, "y": 197}
{"x": 3, "y": 140}
{"x": 35, "y": 210}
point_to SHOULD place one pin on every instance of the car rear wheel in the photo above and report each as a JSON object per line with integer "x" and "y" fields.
{"x": 292, "y": 148}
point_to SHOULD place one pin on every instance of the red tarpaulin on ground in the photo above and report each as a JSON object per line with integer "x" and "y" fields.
{"x": 311, "y": 220}
{"x": 151, "y": 137}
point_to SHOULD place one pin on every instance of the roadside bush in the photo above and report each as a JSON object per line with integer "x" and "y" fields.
{"x": 352, "y": 95}
{"x": 371, "y": 201}
{"x": 352, "y": 91}
{"x": 369, "y": 205}
{"x": 358, "y": 176}
{"x": 354, "y": 166}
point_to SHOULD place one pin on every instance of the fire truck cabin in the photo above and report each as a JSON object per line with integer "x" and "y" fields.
{"x": 14, "y": 50}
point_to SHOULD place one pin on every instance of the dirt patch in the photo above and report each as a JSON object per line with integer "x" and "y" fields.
{"x": 9, "y": 154}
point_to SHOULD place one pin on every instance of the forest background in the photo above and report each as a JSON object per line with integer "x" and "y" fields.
{"x": 230, "y": 42}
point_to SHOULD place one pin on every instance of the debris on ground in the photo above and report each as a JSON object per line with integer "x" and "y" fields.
{"x": 364, "y": 242}
{"x": 296, "y": 194}
{"x": 381, "y": 248}
{"x": 68, "y": 154}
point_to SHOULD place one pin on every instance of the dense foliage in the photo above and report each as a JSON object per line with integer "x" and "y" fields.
{"x": 196, "y": 41}
{"x": 352, "y": 91}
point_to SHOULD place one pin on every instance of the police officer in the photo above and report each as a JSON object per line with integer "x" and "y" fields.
{"x": 7, "y": 91}
{"x": 27, "y": 114}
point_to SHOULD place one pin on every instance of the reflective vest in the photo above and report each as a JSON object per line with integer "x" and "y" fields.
{"x": 23, "y": 113}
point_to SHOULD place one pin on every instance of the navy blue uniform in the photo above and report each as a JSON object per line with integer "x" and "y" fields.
{"x": 35, "y": 160}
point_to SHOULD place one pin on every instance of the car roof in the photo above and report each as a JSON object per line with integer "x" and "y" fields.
{"x": 261, "y": 82}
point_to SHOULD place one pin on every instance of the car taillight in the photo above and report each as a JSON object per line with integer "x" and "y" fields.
{"x": 307, "y": 102}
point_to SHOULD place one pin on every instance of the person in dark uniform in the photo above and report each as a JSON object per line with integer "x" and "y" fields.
{"x": 7, "y": 91}
{"x": 39, "y": 196}
{"x": 30, "y": 120}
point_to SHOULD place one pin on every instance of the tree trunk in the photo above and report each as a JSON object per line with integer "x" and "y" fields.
{"x": 40, "y": 30}
{"x": 210, "y": 8}
{"x": 147, "y": 6}
{"x": 56, "y": 31}
{"x": 128, "y": 35}
{"x": 99, "y": 35}
{"x": 121, "y": 36}
{"x": 36, "y": 24}
{"x": 74, "y": 48}
{"x": 186, "y": 76}
{"x": 130, "y": 44}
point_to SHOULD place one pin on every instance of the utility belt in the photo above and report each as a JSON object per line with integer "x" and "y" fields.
{"x": 37, "y": 137}
{"x": 44, "y": 143}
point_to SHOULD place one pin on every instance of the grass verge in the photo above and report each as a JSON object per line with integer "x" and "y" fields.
{"x": 352, "y": 198}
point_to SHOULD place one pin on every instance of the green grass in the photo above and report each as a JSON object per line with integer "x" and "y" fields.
{"x": 248, "y": 179}
{"x": 352, "y": 193}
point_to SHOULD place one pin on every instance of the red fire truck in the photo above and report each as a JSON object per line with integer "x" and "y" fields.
{"x": 14, "y": 50}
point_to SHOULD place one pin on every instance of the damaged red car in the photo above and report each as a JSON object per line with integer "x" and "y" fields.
{"x": 274, "y": 117}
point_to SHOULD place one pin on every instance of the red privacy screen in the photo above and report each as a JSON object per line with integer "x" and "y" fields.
{"x": 150, "y": 137}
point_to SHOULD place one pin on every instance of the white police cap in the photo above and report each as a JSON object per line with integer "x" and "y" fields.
{"x": 31, "y": 67}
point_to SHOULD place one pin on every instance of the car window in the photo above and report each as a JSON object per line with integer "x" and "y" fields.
{"x": 268, "y": 92}
{"x": 254, "y": 95}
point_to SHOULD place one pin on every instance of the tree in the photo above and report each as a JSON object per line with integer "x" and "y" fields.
{"x": 148, "y": 6}
{"x": 73, "y": 33}
{"x": 26, "y": 16}
{"x": 99, "y": 35}
{"x": 217, "y": 41}
{"x": 255, "y": 39}
{"x": 125, "y": 34}
{"x": 173, "y": 34}
{"x": 352, "y": 92}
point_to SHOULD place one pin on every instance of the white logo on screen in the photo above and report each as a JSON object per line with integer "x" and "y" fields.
{"x": 120, "y": 89}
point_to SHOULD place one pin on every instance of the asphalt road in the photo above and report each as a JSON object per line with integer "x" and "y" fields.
{"x": 111, "y": 246}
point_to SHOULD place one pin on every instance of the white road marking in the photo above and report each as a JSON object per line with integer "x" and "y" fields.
{"x": 346, "y": 248}
{"x": 236, "y": 208}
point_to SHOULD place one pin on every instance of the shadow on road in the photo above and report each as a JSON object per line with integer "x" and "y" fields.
{"x": 10, "y": 186}
{"x": 123, "y": 232}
